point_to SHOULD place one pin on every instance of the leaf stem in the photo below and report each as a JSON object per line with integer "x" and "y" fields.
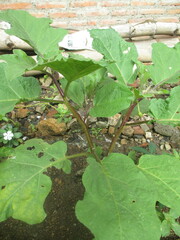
{"x": 124, "y": 121}
{"x": 76, "y": 115}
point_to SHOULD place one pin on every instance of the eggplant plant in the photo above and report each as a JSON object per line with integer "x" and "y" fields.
{"x": 120, "y": 196}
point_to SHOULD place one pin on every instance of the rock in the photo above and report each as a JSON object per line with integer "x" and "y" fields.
{"x": 51, "y": 113}
{"x": 22, "y": 112}
{"x": 51, "y": 127}
{"x": 40, "y": 109}
{"x": 148, "y": 135}
{"x": 165, "y": 130}
{"x": 138, "y": 130}
{"x": 112, "y": 121}
{"x": 101, "y": 124}
{"x": 124, "y": 141}
{"x": 128, "y": 131}
{"x": 111, "y": 130}
{"x": 162, "y": 147}
{"x": 145, "y": 127}
{"x": 175, "y": 139}
{"x": 46, "y": 82}
{"x": 91, "y": 120}
{"x": 104, "y": 130}
{"x": 167, "y": 146}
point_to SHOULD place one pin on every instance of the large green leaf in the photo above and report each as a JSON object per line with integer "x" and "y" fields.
{"x": 111, "y": 99}
{"x": 123, "y": 54}
{"x": 23, "y": 182}
{"x": 35, "y": 31}
{"x": 163, "y": 173}
{"x": 84, "y": 88}
{"x": 119, "y": 202}
{"x": 72, "y": 67}
{"x": 20, "y": 88}
{"x": 17, "y": 63}
{"x": 167, "y": 111}
{"x": 165, "y": 63}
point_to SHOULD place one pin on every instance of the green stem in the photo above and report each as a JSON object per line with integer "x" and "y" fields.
{"x": 48, "y": 100}
{"x": 77, "y": 116}
{"x": 124, "y": 121}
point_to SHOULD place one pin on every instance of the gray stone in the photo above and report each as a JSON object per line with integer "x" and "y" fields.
{"x": 101, "y": 124}
{"x": 165, "y": 130}
{"x": 145, "y": 127}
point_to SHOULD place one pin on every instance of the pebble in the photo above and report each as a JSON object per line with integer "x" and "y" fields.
{"x": 51, "y": 113}
{"x": 138, "y": 130}
{"x": 124, "y": 141}
{"x": 128, "y": 131}
{"x": 112, "y": 121}
{"x": 22, "y": 112}
{"x": 101, "y": 124}
{"x": 148, "y": 135}
{"x": 145, "y": 127}
{"x": 51, "y": 127}
{"x": 162, "y": 147}
{"x": 40, "y": 109}
{"x": 111, "y": 130}
{"x": 167, "y": 146}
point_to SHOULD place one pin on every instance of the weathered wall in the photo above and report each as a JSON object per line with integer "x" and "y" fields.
{"x": 83, "y": 14}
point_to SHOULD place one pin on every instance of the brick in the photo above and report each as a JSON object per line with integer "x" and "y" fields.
{"x": 142, "y": 4}
{"x": 83, "y": 4}
{"x": 94, "y": 14}
{"x": 173, "y": 11}
{"x": 124, "y": 12}
{"x": 165, "y": 19}
{"x": 38, "y": 14}
{"x": 63, "y": 15}
{"x": 170, "y": 3}
{"x": 59, "y": 24}
{"x": 78, "y": 23}
{"x": 49, "y": 5}
{"x": 107, "y": 22}
{"x": 138, "y": 20}
{"x": 91, "y": 23}
{"x": 19, "y": 5}
{"x": 114, "y": 4}
{"x": 152, "y": 11}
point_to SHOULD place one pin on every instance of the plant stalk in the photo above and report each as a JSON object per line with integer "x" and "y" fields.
{"x": 76, "y": 115}
{"x": 124, "y": 121}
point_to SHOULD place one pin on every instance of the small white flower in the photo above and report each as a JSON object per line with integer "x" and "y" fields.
{"x": 8, "y": 135}
{"x": 134, "y": 68}
{"x": 170, "y": 68}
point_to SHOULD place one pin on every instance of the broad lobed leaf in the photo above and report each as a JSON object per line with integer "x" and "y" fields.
{"x": 35, "y": 31}
{"x": 110, "y": 99}
{"x": 12, "y": 91}
{"x": 122, "y": 53}
{"x": 120, "y": 197}
{"x": 165, "y": 63}
{"x": 24, "y": 185}
{"x": 72, "y": 67}
{"x": 119, "y": 202}
{"x": 163, "y": 173}
{"x": 17, "y": 63}
{"x": 167, "y": 111}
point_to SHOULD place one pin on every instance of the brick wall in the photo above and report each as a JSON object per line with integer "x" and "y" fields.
{"x": 83, "y": 14}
